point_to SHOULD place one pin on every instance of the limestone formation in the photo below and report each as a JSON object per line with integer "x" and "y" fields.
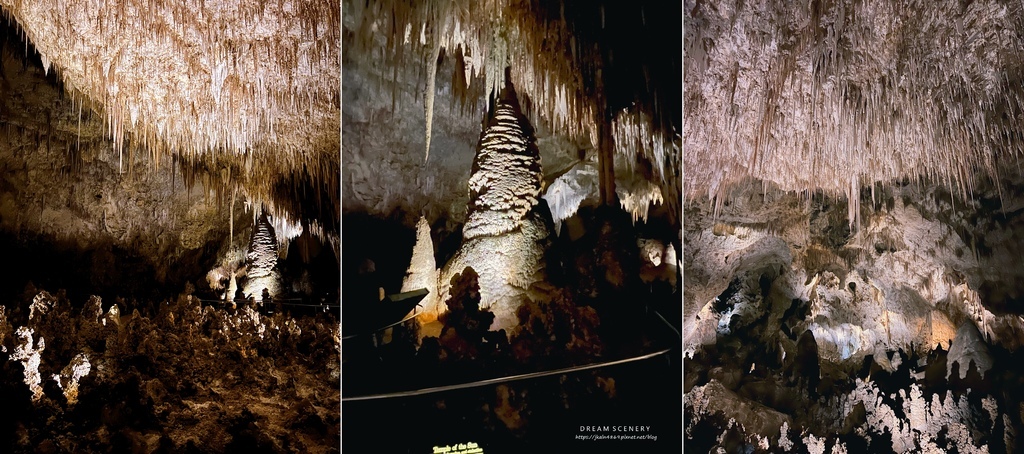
{"x": 881, "y": 303}
{"x": 70, "y": 375}
{"x": 30, "y": 357}
{"x": 261, "y": 261}
{"x": 423, "y": 274}
{"x": 968, "y": 351}
{"x": 505, "y": 232}
{"x": 186, "y": 380}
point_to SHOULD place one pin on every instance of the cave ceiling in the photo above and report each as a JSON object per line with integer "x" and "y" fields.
{"x": 416, "y": 84}
{"x": 837, "y": 96}
{"x": 245, "y": 94}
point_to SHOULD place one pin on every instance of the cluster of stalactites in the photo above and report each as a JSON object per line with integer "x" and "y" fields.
{"x": 196, "y": 77}
{"x": 482, "y": 38}
{"x": 841, "y": 95}
{"x": 636, "y": 138}
{"x": 252, "y": 188}
{"x": 637, "y": 141}
{"x": 403, "y": 44}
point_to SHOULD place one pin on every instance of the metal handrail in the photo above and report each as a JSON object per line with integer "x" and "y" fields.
{"x": 510, "y": 378}
{"x": 272, "y": 302}
{"x": 506, "y": 379}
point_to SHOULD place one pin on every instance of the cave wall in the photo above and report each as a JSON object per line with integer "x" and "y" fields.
{"x": 919, "y": 301}
{"x": 76, "y": 213}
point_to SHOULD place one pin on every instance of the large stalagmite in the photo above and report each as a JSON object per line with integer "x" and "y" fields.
{"x": 505, "y": 229}
{"x": 261, "y": 259}
{"x": 511, "y": 297}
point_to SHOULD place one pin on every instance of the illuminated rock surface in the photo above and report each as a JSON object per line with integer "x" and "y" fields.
{"x": 900, "y": 336}
{"x": 423, "y": 273}
{"x": 853, "y": 223}
{"x": 505, "y": 235}
{"x": 423, "y": 164}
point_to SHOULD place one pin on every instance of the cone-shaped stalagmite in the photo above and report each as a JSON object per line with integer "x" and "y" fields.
{"x": 262, "y": 261}
{"x": 505, "y": 230}
{"x": 422, "y": 273}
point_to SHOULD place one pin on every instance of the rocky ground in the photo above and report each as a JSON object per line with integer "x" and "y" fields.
{"x": 184, "y": 376}
{"x": 897, "y": 332}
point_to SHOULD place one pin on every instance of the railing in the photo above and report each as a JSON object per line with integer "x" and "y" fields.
{"x": 526, "y": 376}
{"x": 271, "y": 303}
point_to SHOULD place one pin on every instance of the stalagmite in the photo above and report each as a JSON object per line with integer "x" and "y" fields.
{"x": 69, "y": 377}
{"x": 504, "y": 231}
{"x": 30, "y": 357}
{"x": 261, "y": 261}
{"x": 423, "y": 273}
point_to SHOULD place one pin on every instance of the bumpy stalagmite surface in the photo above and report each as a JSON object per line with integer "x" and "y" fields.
{"x": 505, "y": 182}
{"x": 69, "y": 377}
{"x": 261, "y": 262}
{"x": 29, "y": 356}
{"x": 505, "y": 233}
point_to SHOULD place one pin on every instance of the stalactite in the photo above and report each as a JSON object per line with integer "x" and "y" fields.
{"x": 484, "y": 39}
{"x": 252, "y": 100}
{"x": 880, "y": 91}
{"x": 431, "y": 82}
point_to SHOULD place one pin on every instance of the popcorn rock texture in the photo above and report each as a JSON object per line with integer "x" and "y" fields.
{"x": 506, "y": 231}
{"x": 30, "y": 357}
{"x": 186, "y": 377}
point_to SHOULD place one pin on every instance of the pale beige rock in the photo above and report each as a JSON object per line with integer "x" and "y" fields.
{"x": 423, "y": 274}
